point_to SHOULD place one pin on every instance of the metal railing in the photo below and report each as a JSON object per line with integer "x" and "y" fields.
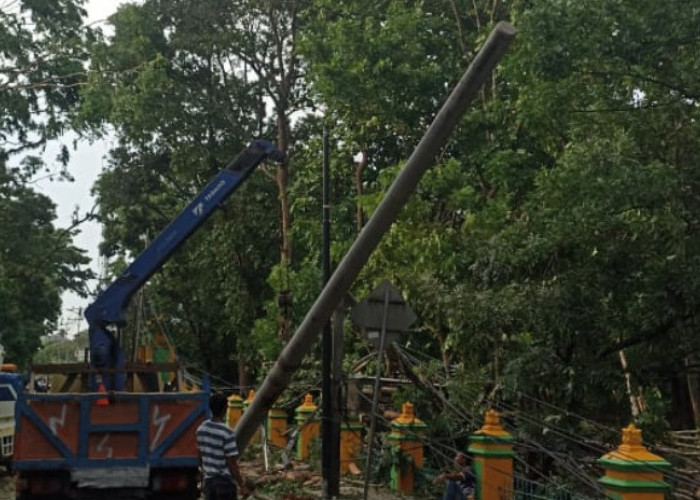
{"x": 527, "y": 489}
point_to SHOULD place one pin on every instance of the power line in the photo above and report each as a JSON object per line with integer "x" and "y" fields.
{"x": 566, "y": 434}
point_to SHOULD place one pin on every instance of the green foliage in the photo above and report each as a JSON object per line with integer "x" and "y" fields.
{"x": 182, "y": 89}
{"x": 43, "y": 54}
{"x": 652, "y": 421}
{"x": 559, "y": 224}
{"x": 43, "y": 50}
{"x": 37, "y": 262}
{"x": 315, "y": 453}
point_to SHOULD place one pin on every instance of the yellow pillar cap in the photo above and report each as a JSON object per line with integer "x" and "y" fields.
{"x": 308, "y": 403}
{"x": 492, "y": 425}
{"x": 408, "y": 415}
{"x": 632, "y": 447}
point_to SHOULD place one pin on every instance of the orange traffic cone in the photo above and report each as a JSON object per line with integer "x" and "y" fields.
{"x": 104, "y": 401}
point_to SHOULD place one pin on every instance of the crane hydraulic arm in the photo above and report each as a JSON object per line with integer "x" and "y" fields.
{"x": 108, "y": 311}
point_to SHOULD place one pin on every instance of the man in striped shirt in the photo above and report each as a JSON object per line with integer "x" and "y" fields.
{"x": 218, "y": 454}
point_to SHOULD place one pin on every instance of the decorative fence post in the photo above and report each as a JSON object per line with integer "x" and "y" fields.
{"x": 277, "y": 426}
{"x": 632, "y": 472}
{"x": 249, "y": 399}
{"x": 308, "y": 425}
{"x": 246, "y": 404}
{"x": 350, "y": 445}
{"x": 234, "y": 411}
{"x": 405, "y": 440}
{"x": 492, "y": 448}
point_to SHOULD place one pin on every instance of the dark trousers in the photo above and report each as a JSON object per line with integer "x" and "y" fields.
{"x": 453, "y": 491}
{"x": 219, "y": 488}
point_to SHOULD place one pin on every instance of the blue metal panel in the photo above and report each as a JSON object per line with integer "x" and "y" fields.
{"x": 121, "y": 396}
{"x": 144, "y": 405}
{"x": 85, "y": 405}
{"x": 11, "y": 385}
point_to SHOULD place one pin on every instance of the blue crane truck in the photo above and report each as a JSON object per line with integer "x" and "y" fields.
{"x": 105, "y": 430}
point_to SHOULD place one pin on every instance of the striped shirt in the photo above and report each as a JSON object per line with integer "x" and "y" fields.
{"x": 216, "y": 443}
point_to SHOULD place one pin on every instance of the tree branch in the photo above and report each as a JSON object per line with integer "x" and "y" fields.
{"x": 657, "y": 332}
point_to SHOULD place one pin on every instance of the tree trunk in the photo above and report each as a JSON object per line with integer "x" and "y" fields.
{"x": 635, "y": 402}
{"x": 694, "y": 389}
{"x": 242, "y": 373}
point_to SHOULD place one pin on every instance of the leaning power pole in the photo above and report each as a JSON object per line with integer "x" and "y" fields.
{"x": 384, "y": 216}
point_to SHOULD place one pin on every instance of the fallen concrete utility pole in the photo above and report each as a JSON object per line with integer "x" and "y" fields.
{"x": 386, "y": 213}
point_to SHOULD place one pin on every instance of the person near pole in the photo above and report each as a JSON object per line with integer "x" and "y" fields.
{"x": 218, "y": 454}
{"x": 459, "y": 485}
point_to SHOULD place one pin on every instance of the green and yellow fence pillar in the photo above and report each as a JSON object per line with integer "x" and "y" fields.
{"x": 632, "y": 472}
{"x": 234, "y": 411}
{"x": 405, "y": 439}
{"x": 249, "y": 399}
{"x": 308, "y": 425}
{"x": 350, "y": 445}
{"x": 492, "y": 449}
{"x": 277, "y": 426}
{"x": 246, "y": 405}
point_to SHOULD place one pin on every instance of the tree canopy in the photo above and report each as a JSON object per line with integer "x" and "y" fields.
{"x": 42, "y": 67}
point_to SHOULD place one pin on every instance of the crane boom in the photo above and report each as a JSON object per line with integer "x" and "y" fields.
{"x": 109, "y": 309}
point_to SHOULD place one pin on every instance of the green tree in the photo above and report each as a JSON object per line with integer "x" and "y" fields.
{"x": 558, "y": 228}
{"x": 37, "y": 263}
{"x": 185, "y": 86}
{"x": 44, "y": 50}
{"x": 609, "y": 228}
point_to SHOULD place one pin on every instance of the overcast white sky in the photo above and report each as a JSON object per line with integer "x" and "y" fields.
{"x": 85, "y": 164}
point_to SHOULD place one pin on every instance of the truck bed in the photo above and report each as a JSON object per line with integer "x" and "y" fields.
{"x": 135, "y": 442}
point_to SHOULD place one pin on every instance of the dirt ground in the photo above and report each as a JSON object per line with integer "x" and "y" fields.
{"x": 350, "y": 489}
{"x": 301, "y": 483}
